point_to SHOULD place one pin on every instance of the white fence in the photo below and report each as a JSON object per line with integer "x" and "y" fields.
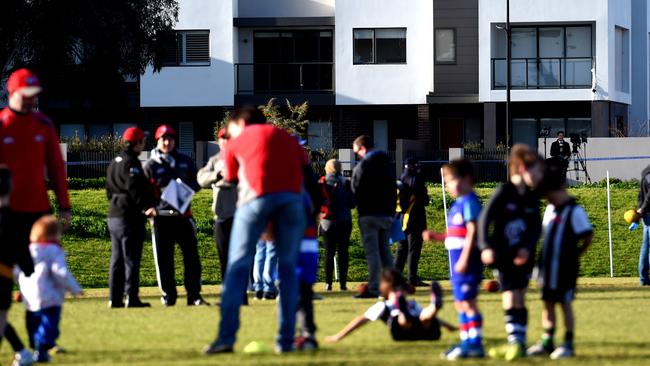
{"x": 625, "y": 157}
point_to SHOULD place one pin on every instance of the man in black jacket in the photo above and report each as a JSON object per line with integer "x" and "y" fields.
{"x": 643, "y": 205}
{"x": 170, "y": 226}
{"x": 130, "y": 197}
{"x": 413, "y": 204}
{"x": 375, "y": 193}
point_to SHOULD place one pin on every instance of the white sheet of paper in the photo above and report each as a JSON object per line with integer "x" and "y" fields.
{"x": 179, "y": 195}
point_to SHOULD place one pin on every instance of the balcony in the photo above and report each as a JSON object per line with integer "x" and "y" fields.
{"x": 545, "y": 73}
{"x": 296, "y": 81}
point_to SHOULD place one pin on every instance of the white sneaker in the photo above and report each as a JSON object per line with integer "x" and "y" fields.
{"x": 562, "y": 352}
{"x": 537, "y": 350}
{"x": 23, "y": 358}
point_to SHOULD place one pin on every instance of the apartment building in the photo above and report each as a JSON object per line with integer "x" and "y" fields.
{"x": 433, "y": 70}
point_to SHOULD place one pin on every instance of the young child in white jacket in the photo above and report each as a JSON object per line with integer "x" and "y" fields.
{"x": 43, "y": 292}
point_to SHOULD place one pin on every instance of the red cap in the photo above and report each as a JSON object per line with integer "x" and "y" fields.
{"x": 164, "y": 130}
{"x": 133, "y": 134}
{"x": 25, "y": 82}
{"x": 221, "y": 134}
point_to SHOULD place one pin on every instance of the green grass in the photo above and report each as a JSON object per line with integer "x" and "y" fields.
{"x": 88, "y": 243}
{"x": 611, "y": 330}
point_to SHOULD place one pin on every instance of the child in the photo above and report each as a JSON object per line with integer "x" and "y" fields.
{"x": 508, "y": 230}
{"x": 406, "y": 320}
{"x": 307, "y": 271}
{"x": 565, "y": 225}
{"x": 44, "y": 290}
{"x": 465, "y": 259}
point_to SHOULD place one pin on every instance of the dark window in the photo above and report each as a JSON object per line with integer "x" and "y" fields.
{"x": 445, "y": 46}
{"x": 186, "y": 48}
{"x": 380, "y": 46}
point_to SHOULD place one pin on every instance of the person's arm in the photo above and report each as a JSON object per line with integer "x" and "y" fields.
{"x": 485, "y": 221}
{"x": 555, "y": 147}
{"x": 140, "y": 188}
{"x": 582, "y": 228}
{"x": 231, "y": 165}
{"x": 448, "y": 326}
{"x": 355, "y": 324}
{"x": 470, "y": 244}
{"x": 586, "y": 243}
{"x": 644, "y": 206}
{"x": 57, "y": 175}
{"x": 210, "y": 173}
{"x": 355, "y": 181}
{"x": 62, "y": 275}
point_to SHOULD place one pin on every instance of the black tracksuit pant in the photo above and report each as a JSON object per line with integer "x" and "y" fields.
{"x": 127, "y": 237}
{"x": 409, "y": 251}
{"x": 337, "y": 240}
{"x": 222, "y": 230}
{"x": 167, "y": 231}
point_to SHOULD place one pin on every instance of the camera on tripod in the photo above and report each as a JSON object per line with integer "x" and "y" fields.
{"x": 577, "y": 141}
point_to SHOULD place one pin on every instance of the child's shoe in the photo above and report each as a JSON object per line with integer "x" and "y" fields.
{"x": 562, "y": 352}
{"x": 23, "y": 358}
{"x": 435, "y": 291}
{"x": 515, "y": 351}
{"x": 462, "y": 351}
{"x": 306, "y": 344}
{"x": 539, "y": 350}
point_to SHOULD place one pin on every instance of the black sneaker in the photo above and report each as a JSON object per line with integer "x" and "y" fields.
{"x": 270, "y": 296}
{"x": 436, "y": 294}
{"x": 305, "y": 344}
{"x": 199, "y": 301}
{"x": 168, "y": 301}
{"x": 344, "y": 288}
{"x": 328, "y": 287}
{"x": 420, "y": 283}
{"x": 216, "y": 348}
{"x": 115, "y": 305}
{"x": 259, "y": 295}
{"x": 136, "y": 303}
{"x": 366, "y": 295}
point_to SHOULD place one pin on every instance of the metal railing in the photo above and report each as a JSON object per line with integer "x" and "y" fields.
{"x": 490, "y": 164}
{"x": 88, "y": 164}
{"x": 284, "y": 78}
{"x": 545, "y": 73}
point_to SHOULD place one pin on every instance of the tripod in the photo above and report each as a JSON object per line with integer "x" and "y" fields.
{"x": 579, "y": 164}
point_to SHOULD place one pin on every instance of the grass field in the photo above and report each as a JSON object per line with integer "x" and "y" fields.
{"x": 611, "y": 330}
{"x": 88, "y": 242}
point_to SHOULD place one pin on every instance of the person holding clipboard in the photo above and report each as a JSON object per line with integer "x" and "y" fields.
{"x": 174, "y": 177}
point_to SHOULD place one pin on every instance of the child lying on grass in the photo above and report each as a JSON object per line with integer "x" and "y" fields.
{"x": 406, "y": 320}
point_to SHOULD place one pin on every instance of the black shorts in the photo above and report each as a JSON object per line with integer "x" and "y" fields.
{"x": 559, "y": 296}
{"x": 6, "y": 292}
{"x": 516, "y": 278}
{"x": 416, "y": 333}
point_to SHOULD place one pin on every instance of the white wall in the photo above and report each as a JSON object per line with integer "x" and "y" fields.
{"x": 286, "y": 8}
{"x": 625, "y": 158}
{"x": 385, "y": 84}
{"x": 604, "y": 13}
{"x": 198, "y": 85}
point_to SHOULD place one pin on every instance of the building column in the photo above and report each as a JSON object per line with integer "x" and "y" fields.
{"x": 600, "y": 119}
{"x": 490, "y": 125}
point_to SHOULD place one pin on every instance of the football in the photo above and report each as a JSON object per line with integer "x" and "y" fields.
{"x": 492, "y": 286}
{"x": 631, "y": 216}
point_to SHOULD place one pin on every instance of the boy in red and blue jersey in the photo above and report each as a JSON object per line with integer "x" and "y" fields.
{"x": 466, "y": 268}
{"x": 307, "y": 271}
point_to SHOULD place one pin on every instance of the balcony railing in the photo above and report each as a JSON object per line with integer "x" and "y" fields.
{"x": 545, "y": 73}
{"x": 285, "y": 78}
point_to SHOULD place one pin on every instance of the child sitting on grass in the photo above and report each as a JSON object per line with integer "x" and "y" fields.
{"x": 465, "y": 259}
{"x": 43, "y": 292}
{"x": 566, "y": 225}
{"x": 406, "y": 320}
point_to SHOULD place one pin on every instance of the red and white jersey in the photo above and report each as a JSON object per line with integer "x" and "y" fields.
{"x": 29, "y": 146}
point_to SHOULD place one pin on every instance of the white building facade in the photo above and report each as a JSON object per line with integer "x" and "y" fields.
{"x": 431, "y": 70}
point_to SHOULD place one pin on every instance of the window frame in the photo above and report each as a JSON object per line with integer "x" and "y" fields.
{"x": 374, "y": 46}
{"x": 182, "y": 62}
{"x": 435, "y": 40}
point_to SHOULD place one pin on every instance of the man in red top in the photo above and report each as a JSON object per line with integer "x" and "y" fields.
{"x": 268, "y": 163}
{"x": 29, "y": 146}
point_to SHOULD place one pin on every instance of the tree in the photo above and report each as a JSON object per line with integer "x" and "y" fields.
{"x": 84, "y": 48}
{"x": 293, "y": 120}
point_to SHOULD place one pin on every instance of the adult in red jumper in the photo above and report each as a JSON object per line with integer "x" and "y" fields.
{"x": 29, "y": 146}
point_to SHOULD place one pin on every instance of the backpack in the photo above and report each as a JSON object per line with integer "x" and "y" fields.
{"x": 326, "y": 208}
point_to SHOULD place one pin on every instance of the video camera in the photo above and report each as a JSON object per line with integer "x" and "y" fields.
{"x": 577, "y": 141}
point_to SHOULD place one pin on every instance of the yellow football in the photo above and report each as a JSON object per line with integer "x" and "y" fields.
{"x": 631, "y": 216}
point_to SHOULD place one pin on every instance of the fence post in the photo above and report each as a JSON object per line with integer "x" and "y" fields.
{"x": 64, "y": 153}
{"x": 346, "y": 157}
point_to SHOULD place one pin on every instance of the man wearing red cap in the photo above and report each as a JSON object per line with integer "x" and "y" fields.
{"x": 131, "y": 199}
{"x": 170, "y": 226}
{"x": 29, "y": 146}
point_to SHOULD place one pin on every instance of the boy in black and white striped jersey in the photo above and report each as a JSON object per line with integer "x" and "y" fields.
{"x": 567, "y": 235}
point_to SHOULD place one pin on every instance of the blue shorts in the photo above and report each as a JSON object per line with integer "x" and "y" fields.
{"x": 465, "y": 290}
